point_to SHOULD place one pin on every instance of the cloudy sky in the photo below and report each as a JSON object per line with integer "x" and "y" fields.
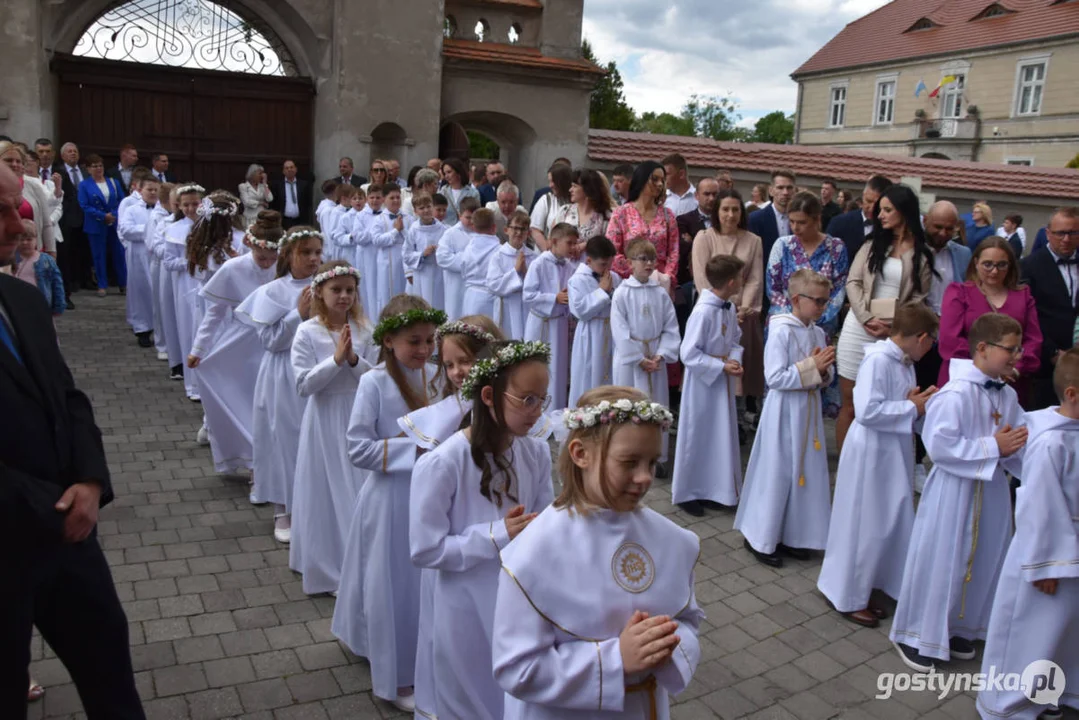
{"x": 667, "y": 50}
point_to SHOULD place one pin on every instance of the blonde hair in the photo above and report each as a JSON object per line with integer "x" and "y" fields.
{"x": 398, "y": 305}
{"x": 573, "y": 495}
{"x": 468, "y": 344}
{"x": 318, "y": 306}
{"x": 987, "y": 213}
{"x": 806, "y": 278}
{"x": 1066, "y": 374}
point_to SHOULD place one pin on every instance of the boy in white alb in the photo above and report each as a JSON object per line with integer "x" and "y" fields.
{"x": 478, "y": 298}
{"x": 389, "y": 241}
{"x": 506, "y": 273}
{"x": 547, "y": 299}
{"x": 785, "y": 503}
{"x": 367, "y": 223}
{"x": 451, "y": 257}
{"x": 645, "y": 331}
{"x": 707, "y": 459}
{"x": 327, "y": 202}
{"x": 973, "y": 432}
{"x": 423, "y": 274}
{"x": 132, "y": 222}
{"x": 590, "y": 290}
{"x": 873, "y": 512}
{"x": 342, "y": 236}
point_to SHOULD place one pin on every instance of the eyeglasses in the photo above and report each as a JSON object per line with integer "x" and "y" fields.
{"x": 1074, "y": 234}
{"x": 990, "y": 266}
{"x": 532, "y": 403}
{"x": 375, "y": 170}
{"x": 646, "y": 259}
{"x": 819, "y": 302}
{"x": 1013, "y": 349}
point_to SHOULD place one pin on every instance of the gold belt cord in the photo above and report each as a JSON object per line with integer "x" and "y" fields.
{"x": 648, "y": 685}
{"x": 976, "y": 511}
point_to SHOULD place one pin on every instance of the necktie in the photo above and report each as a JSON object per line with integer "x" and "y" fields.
{"x": 292, "y": 190}
{"x": 76, "y": 176}
{"x": 45, "y": 174}
{"x": 8, "y": 341}
{"x": 1073, "y": 260}
{"x": 993, "y": 385}
{"x": 161, "y": 176}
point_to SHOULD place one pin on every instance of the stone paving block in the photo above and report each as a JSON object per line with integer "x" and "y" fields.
{"x": 808, "y": 706}
{"x": 237, "y": 580}
{"x": 265, "y": 695}
{"x": 172, "y": 708}
{"x": 197, "y": 584}
{"x": 181, "y": 605}
{"x": 276, "y": 663}
{"x": 323, "y": 655}
{"x": 214, "y": 704}
{"x": 244, "y": 642}
{"x": 819, "y": 666}
{"x": 728, "y": 704}
{"x": 352, "y": 707}
{"x": 213, "y": 623}
{"x": 229, "y": 671}
{"x": 260, "y": 617}
{"x": 168, "y": 568}
{"x": 179, "y": 679}
{"x": 310, "y": 711}
{"x": 197, "y": 649}
{"x": 150, "y": 589}
{"x": 311, "y": 686}
{"x": 166, "y": 629}
{"x": 223, "y": 600}
{"x": 143, "y": 657}
{"x": 353, "y": 678}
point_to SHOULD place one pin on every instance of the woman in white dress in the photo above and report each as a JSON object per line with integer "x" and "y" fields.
{"x": 275, "y": 310}
{"x": 894, "y": 268}
{"x": 228, "y": 365}
{"x": 471, "y": 497}
{"x": 595, "y": 615}
{"x": 255, "y": 193}
{"x": 378, "y": 605}
{"x": 545, "y": 213}
{"x": 329, "y": 354}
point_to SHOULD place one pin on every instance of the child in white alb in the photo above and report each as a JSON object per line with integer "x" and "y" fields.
{"x": 451, "y": 256}
{"x": 421, "y": 242}
{"x": 479, "y": 300}
{"x": 590, "y": 290}
{"x": 546, "y": 296}
{"x": 506, "y": 273}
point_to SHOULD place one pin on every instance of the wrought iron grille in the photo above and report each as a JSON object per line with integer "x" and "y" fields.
{"x": 199, "y": 34}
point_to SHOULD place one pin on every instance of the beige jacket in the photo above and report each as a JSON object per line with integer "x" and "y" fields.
{"x": 747, "y": 247}
{"x": 860, "y": 283}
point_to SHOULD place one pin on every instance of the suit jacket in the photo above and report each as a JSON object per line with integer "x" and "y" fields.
{"x": 303, "y": 199}
{"x": 1056, "y": 310}
{"x": 690, "y": 224}
{"x": 827, "y": 212}
{"x": 169, "y": 176}
{"x": 48, "y": 438}
{"x": 850, "y": 228}
{"x": 72, "y": 213}
{"x": 764, "y": 225}
{"x": 95, "y": 206}
{"x": 357, "y": 180}
{"x": 116, "y": 175}
{"x": 961, "y": 255}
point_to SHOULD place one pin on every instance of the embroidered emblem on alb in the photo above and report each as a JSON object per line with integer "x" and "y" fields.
{"x": 632, "y": 568}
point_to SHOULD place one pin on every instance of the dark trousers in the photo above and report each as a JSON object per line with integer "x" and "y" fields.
{"x": 926, "y": 372}
{"x": 288, "y": 223}
{"x": 106, "y": 247}
{"x": 74, "y": 259}
{"x": 67, "y": 592}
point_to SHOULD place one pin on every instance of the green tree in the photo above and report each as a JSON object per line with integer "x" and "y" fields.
{"x": 665, "y": 124}
{"x": 1073, "y": 163}
{"x": 608, "y": 109}
{"x": 714, "y": 117}
{"x": 775, "y": 127}
{"x": 482, "y": 147}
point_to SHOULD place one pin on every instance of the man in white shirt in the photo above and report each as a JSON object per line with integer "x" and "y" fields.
{"x": 129, "y": 158}
{"x": 504, "y": 206}
{"x": 345, "y": 174}
{"x": 159, "y": 166}
{"x": 292, "y": 197}
{"x": 681, "y": 195}
{"x": 393, "y": 171}
{"x": 46, "y": 156}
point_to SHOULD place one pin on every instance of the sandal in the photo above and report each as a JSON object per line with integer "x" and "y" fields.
{"x": 35, "y": 693}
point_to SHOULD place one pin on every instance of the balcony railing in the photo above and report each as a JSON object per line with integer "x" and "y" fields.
{"x": 946, "y": 128}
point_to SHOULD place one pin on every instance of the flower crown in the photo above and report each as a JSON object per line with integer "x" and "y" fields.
{"x": 300, "y": 235}
{"x": 208, "y": 208}
{"x": 335, "y": 272}
{"x": 461, "y": 328}
{"x": 259, "y": 242}
{"x": 396, "y": 322}
{"x": 617, "y": 412}
{"x": 192, "y": 188}
{"x": 485, "y": 371}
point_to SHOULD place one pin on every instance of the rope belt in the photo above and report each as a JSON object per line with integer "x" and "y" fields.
{"x": 812, "y": 410}
{"x": 648, "y": 685}
{"x": 647, "y": 354}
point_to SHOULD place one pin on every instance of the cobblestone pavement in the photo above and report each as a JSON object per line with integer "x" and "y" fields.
{"x": 220, "y": 627}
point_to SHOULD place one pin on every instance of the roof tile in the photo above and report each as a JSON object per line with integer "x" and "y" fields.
{"x": 881, "y": 37}
{"x": 844, "y": 165}
{"x": 513, "y": 55}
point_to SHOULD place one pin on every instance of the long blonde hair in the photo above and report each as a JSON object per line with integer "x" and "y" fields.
{"x": 318, "y": 307}
{"x": 397, "y": 305}
{"x": 573, "y": 495}
{"x": 470, "y": 345}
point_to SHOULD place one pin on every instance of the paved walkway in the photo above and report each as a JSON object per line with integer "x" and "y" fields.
{"x": 220, "y": 627}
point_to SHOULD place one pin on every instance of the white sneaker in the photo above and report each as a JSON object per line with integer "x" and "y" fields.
{"x": 203, "y": 436}
{"x": 162, "y": 356}
{"x": 254, "y": 500}
{"x": 405, "y": 702}
{"x": 282, "y": 535}
{"x": 920, "y": 476}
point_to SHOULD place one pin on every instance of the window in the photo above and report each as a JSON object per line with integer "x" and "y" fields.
{"x": 951, "y": 105}
{"x": 837, "y": 112}
{"x": 922, "y": 24}
{"x": 514, "y": 34}
{"x": 885, "y": 113}
{"x": 449, "y": 27}
{"x": 1028, "y": 96}
{"x": 482, "y": 30}
{"x": 1026, "y": 162}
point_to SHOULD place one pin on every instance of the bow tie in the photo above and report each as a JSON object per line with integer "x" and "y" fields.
{"x": 394, "y": 216}
{"x": 150, "y": 206}
{"x": 1073, "y": 260}
{"x": 993, "y": 385}
{"x": 376, "y": 212}
{"x": 560, "y": 262}
{"x": 907, "y": 360}
{"x": 725, "y": 305}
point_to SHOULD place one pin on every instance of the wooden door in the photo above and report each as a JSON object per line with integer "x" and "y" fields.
{"x": 213, "y": 125}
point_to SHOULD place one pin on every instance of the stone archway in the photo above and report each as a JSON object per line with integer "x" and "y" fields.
{"x": 936, "y": 156}
{"x": 514, "y": 136}
{"x": 389, "y": 141}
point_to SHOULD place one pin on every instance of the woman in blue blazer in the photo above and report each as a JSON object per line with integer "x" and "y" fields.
{"x": 99, "y": 198}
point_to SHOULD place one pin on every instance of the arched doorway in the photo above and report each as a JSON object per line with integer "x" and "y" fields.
{"x": 389, "y": 141}
{"x": 936, "y": 156}
{"x": 514, "y": 138}
{"x": 206, "y": 81}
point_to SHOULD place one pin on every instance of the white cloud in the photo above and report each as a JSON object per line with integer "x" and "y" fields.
{"x": 746, "y": 47}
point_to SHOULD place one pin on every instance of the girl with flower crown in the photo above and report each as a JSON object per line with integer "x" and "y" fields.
{"x": 378, "y": 606}
{"x": 329, "y": 354}
{"x": 178, "y": 319}
{"x": 275, "y": 311}
{"x": 471, "y": 496}
{"x": 227, "y": 351}
{"x": 595, "y": 614}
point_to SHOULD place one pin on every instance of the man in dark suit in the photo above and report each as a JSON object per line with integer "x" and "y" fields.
{"x": 73, "y": 254}
{"x": 855, "y": 226}
{"x": 159, "y": 166}
{"x": 129, "y": 158}
{"x": 689, "y": 224}
{"x": 496, "y": 173}
{"x": 53, "y": 478}
{"x": 345, "y": 174}
{"x": 292, "y": 197}
{"x": 1052, "y": 273}
{"x": 771, "y": 223}
{"x": 829, "y": 208}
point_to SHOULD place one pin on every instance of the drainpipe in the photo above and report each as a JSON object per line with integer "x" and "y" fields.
{"x": 798, "y": 115}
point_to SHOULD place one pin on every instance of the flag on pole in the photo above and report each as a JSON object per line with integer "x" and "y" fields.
{"x": 946, "y": 80}
{"x": 920, "y": 88}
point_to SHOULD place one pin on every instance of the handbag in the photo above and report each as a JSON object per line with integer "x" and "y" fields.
{"x": 883, "y": 308}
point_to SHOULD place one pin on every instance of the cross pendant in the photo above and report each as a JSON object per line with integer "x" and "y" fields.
{"x": 996, "y": 417}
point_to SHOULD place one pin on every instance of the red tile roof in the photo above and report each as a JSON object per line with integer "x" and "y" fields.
{"x": 512, "y": 55}
{"x": 882, "y": 37}
{"x": 844, "y": 165}
{"x": 527, "y": 4}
